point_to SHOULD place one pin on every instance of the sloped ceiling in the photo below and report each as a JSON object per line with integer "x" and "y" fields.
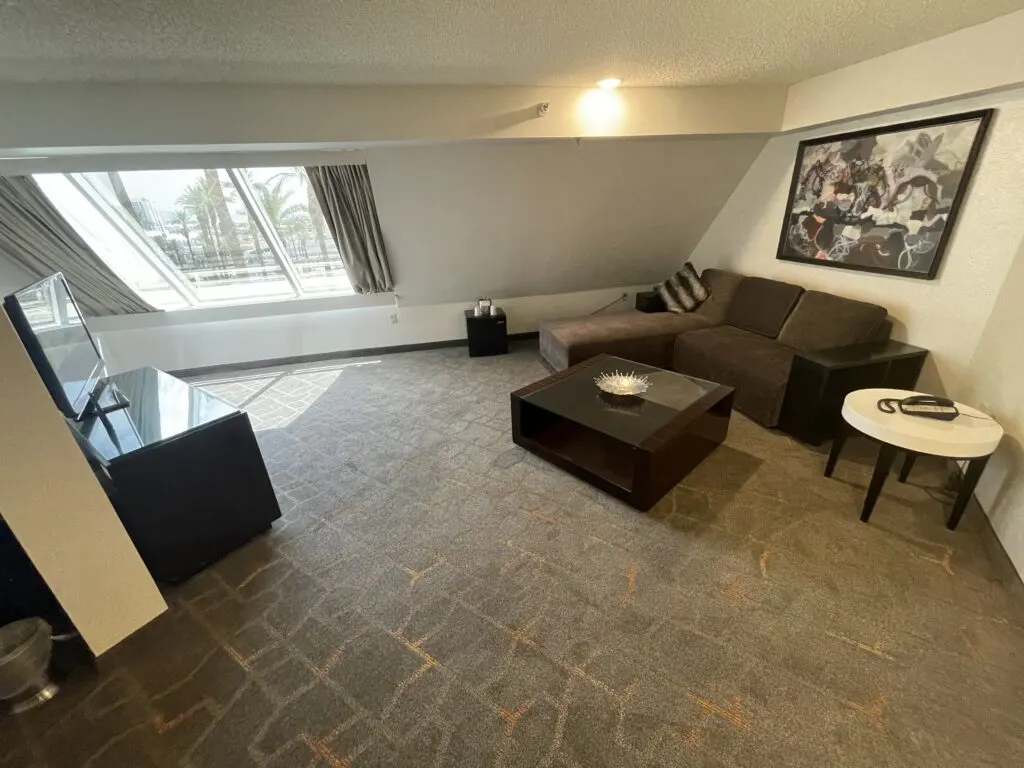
{"x": 501, "y": 42}
{"x": 534, "y": 218}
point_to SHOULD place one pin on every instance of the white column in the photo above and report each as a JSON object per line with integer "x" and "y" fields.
{"x": 60, "y": 513}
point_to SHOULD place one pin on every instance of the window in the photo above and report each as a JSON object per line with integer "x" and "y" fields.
{"x": 205, "y": 237}
{"x": 291, "y": 206}
{"x": 45, "y": 311}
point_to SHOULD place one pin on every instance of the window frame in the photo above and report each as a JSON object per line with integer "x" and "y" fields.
{"x": 133, "y": 236}
{"x": 259, "y": 217}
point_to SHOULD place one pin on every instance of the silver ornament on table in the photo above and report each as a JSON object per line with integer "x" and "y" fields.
{"x": 622, "y": 384}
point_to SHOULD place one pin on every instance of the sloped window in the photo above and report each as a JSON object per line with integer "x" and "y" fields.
{"x": 205, "y": 237}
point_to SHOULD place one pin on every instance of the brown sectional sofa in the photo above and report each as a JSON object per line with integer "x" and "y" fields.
{"x": 745, "y": 336}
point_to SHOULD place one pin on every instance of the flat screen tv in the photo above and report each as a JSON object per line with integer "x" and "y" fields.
{"x": 53, "y": 331}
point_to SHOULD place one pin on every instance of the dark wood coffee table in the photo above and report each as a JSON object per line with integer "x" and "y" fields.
{"x": 636, "y": 449}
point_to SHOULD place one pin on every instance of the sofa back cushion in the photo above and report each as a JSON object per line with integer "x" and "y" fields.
{"x": 721, "y": 286}
{"x": 762, "y": 305}
{"x": 824, "y": 320}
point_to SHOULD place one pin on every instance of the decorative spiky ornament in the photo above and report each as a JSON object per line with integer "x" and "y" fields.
{"x": 622, "y": 383}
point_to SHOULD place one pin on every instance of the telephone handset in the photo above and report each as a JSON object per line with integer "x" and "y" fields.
{"x": 926, "y": 406}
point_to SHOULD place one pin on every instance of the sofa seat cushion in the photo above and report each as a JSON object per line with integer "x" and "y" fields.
{"x": 823, "y": 320}
{"x": 762, "y": 306}
{"x": 721, "y": 286}
{"x": 757, "y": 367}
{"x": 645, "y": 337}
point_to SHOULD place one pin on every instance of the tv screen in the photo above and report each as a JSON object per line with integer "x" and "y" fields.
{"x": 54, "y": 333}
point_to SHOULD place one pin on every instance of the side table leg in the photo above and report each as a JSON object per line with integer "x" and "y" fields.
{"x": 908, "y": 465}
{"x": 974, "y": 469}
{"x": 886, "y": 456}
{"x": 837, "y": 447}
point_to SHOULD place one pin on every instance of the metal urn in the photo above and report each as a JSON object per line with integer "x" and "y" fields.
{"x": 25, "y": 648}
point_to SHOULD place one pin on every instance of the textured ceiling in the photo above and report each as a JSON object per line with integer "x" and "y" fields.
{"x": 523, "y": 42}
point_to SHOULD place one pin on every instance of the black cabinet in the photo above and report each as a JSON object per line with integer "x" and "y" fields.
{"x": 183, "y": 471}
{"x": 820, "y": 381}
{"x": 487, "y": 334}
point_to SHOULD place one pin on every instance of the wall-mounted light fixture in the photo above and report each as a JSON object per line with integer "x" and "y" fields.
{"x": 600, "y": 112}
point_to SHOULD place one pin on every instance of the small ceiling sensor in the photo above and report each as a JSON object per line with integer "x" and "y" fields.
{"x": 609, "y": 82}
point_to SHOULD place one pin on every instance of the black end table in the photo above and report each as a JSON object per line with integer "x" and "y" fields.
{"x": 487, "y": 334}
{"x": 650, "y": 301}
{"x": 820, "y": 381}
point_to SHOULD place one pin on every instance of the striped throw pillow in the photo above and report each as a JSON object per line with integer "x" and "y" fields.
{"x": 683, "y": 292}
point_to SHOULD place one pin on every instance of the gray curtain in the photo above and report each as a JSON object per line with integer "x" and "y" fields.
{"x": 37, "y": 238}
{"x": 346, "y": 198}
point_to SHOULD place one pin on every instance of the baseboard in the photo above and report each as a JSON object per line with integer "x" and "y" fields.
{"x": 994, "y": 548}
{"x": 339, "y": 355}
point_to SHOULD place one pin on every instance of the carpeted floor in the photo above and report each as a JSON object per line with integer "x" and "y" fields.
{"x": 436, "y": 597}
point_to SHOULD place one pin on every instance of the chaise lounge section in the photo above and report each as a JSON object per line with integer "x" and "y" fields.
{"x": 646, "y": 337}
{"x": 744, "y": 336}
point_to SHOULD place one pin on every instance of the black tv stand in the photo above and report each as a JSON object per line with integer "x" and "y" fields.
{"x": 182, "y": 469}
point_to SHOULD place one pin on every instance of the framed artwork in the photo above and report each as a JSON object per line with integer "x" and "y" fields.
{"x": 884, "y": 199}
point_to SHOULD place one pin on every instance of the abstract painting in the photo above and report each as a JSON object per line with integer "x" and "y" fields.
{"x": 881, "y": 200}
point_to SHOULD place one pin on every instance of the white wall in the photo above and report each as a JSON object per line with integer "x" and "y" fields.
{"x": 947, "y": 315}
{"x": 60, "y": 514}
{"x": 996, "y": 386}
{"x": 980, "y": 58}
{"x": 51, "y": 118}
{"x": 550, "y": 228}
{"x": 171, "y": 342}
{"x": 545, "y": 217}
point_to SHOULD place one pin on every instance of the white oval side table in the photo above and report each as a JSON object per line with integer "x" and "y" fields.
{"x": 972, "y": 436}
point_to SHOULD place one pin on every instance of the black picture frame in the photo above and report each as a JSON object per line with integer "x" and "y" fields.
{"x": 786, "y": 252}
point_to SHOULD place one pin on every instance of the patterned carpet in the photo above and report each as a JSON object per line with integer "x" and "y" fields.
{"x": 436, "y": 597}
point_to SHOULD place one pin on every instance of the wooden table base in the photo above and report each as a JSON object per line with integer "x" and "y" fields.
{"x": 883, "y": 465}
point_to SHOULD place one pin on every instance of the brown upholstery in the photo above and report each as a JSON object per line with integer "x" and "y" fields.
{"x": 822, "y": 320}
{"x": 722, "y": 285}
{"x": 756, "y": 366}
{"x": 645, "y": 337}
{"x": 745, "y": 336}
{"x": 883, "y": 331}
{"x": 762, "y": 305}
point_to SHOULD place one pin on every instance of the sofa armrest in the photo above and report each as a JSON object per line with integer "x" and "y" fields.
{"x": 650, "y": 301}
{"x": 883, "y": 331}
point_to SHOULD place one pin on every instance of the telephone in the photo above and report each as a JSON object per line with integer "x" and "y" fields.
{"x": 927, "y": 406}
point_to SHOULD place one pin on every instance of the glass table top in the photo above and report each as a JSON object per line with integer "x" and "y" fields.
{"x": 632, "y": 419}
{"x": 162, "y": 407}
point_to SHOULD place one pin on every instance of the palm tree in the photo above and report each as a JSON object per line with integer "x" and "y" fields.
{"x": 223, "y": 214}
{"x": 182, "y": 219}
{"x": 257, "y": 243}
{"x": 297, "y": 230}
{"x": 196, "y": 201}
{"x": 276, "y": 203}
{"x": 316, "y": 216}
